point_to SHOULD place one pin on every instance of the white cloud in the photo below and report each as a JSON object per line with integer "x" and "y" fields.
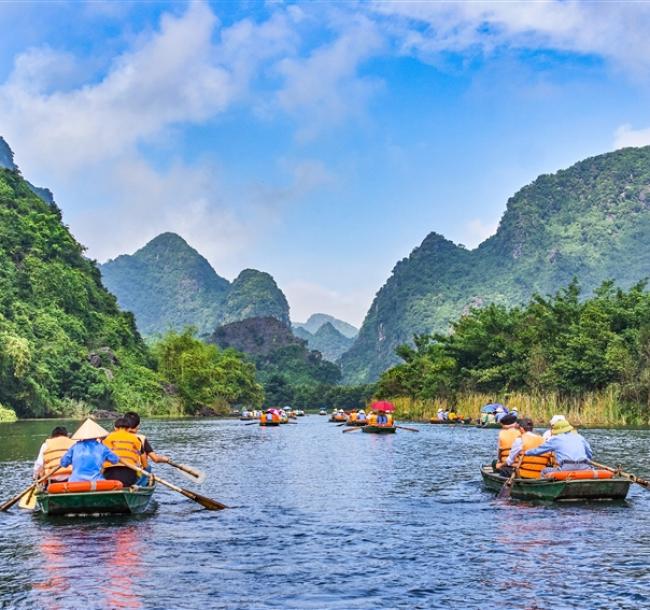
{"x": 308, "y": 297}
{"x": 476, "y": 231}
{"x": 625, "y": 136}
{"x": 615, "y": 31}
{"x": 325, "y": 87}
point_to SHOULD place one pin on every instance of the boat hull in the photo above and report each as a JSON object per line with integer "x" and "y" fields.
{"x": 358, "y": 424}
{"x": 489, "y": 426}
{"x": 270, "y": 423}
{"x": 559, "y": 491}
{"x": 337, "y": 421}
{"x": 456, "y": 422}
{"x": 379, "y": 429}
{"x": 92, "y": 503}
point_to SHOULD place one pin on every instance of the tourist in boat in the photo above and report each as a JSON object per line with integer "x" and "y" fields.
{"x": 499, "y": 413}
{"x": 452, "y": 416}
{"x": 132, "y": 420}
{"x": 507, "y": 435}
{"x": 531, "y": 466}
{"x": 572, "y": 451}
{"x": 554, "y": 420}
{"x": 361, "y": 416}
{"x": 50, "y": 454}
{"x": 441, "y": 414}
{"x": 88, "y": 455}
{"x": 353, "y": 416}
{"x": 129, "y": 448}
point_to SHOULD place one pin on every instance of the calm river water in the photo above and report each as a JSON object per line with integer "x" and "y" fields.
{"x": 326, "y": 520}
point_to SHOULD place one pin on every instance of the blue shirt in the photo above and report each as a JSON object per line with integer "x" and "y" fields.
{"x": 87, "y": 459}
{"x": 382, "y": 419}
{"x": 569, "y": 446}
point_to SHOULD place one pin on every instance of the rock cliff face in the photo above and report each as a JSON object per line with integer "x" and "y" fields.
{"x": 591, "y": 221}
{"x": 168, "y": 284}
{"x": 7, "y": 162}
{"x": 256, "y": 336}
{"x": 327, "y": 340}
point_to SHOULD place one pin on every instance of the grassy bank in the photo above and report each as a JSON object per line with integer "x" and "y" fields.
{"x": 596, "y": 409}
{"x": 7, "y": 415}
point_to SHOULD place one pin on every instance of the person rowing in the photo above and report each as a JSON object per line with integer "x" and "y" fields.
{"x": 572, "y": 450}
{"x": 507, "y": 435}
{"x": 88, "y": 455}
{"x": 129, "y": 448}
{"x": 531, "y": 466}
{"x": 50, "y": 454}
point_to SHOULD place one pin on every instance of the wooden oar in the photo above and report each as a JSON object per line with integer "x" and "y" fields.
{"x": 627, "y": 475}
{"x": 355, "y": 429}
{"x": 193, "y": 474}
{"x": 409, "y": 429}
{"x": 28, "y": 501}
{"x": 202, "y": 500}
{"x": 9, "y": 503}
{"x": 506, "y": 490}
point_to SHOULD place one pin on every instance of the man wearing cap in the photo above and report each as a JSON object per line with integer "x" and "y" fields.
{"x": 572, "y": 451}
{"x": 554, "y": 420}
{"x": 507, "y": 435}
{"x": 88, "y": 454}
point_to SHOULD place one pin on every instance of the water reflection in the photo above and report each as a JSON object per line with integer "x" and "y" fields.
{"x": 90, "y": 567}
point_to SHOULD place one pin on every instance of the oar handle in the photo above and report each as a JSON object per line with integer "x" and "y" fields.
{"x": 9, "y": 503}
{"x": 627, "y": 475}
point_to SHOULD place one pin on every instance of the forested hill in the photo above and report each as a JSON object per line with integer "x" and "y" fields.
{"x": 591, "y": 221}
{"x": 167, "y": 284}
{"x": 63, "y": 339}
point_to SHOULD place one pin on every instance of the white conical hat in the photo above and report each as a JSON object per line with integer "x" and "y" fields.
{"x": 89, "y": 429}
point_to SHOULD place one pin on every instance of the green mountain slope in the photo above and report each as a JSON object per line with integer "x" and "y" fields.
{"x": 317, "y": 320}
{"x": 327, "y": 340}
{"x": 254, "y": 294}
{"x": 63, "y": 340}
{"x": 591, "y": 221}
{"x": 167, "y": 284}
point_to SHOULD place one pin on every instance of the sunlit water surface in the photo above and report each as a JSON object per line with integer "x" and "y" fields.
{"x": 322, "y": 519}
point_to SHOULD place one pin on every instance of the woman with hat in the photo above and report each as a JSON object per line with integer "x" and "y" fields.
{"x": 88, "y": 454}
{"x": 572, "y": 451}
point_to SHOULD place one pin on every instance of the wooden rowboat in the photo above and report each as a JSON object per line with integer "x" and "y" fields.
{"x": 270, "y": 423}
{"x": 490, "y": 426}
{"x": 358, "y": 424}
{"x": 454, "y": 422}
{"x": 338, "y": 419}
{"x": 559, "y": 491}
{"x": 131, "y": 500}
{"x": 379, "y": 429}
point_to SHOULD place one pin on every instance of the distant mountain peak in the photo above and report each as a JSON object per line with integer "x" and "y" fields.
{"x": 316, "y": 320}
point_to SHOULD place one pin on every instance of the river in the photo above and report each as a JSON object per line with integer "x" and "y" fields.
{"x": 323, "y": 520}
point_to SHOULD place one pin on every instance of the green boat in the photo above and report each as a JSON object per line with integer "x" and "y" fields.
{"x": 488, "y": 426}
{"x": 379, "y": 429}
{"x": 127, "y": 501}
{"x": 454, "y": 422}
{"x": 576, "y": 490}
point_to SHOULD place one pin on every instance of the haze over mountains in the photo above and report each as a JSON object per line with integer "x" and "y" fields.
{"x": 591, "y": 221}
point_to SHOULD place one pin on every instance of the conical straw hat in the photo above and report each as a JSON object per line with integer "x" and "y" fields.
{"x": 89, "y": 429}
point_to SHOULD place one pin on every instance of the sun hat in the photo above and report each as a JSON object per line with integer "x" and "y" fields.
{"x": 557, "y": 418}
{"x": 89, "y": 430}
{"x": 561, "y": 426}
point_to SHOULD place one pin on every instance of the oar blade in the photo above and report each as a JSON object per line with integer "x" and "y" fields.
{"x": 28, "y": 501}
{"x": 207, "y": 503}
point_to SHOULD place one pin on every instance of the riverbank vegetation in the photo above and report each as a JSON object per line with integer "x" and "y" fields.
{"x": 587, "y": 358}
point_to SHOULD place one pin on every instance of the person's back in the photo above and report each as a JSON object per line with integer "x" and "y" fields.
{"x": 531, "y": 466}
{"x": 372, "y": 419}
{"x": 128, "y": 447}
{"x": 353, "y": 416}
{"x": 50, "y": 454}
{"x": 507, "y": 436}
{"x": 88, "y": 455}
{"x": 572, "y": 451}
{"x": 382, "y": 420}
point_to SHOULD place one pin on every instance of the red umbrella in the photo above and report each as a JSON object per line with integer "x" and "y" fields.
{"x": 383, "y": 405}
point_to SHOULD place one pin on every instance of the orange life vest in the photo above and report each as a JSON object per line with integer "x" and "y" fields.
{"x": 55, "y": 449}
{"x": 353, "y": 416}
{"x": 507, "y": 437}
{"x": 372, "y": 419}
{"x": 126, "y": 446}
{"x": 532, "y": 465}
{"x": 144, "y": 458}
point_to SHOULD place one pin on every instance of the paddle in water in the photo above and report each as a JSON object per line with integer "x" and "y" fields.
{"x": 9, "y": 503}
{"x": 409, "y": 429}
{"x": 506, "y": 490}
{"x": 208, "y": 503}
{"x": 627, "y": 475}
{"x": 353, "y": 429}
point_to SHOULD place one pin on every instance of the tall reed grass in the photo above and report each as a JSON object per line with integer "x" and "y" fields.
{"x": 594, "y": 409}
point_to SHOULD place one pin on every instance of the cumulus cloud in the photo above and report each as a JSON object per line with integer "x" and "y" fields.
{"x": 614, "y": 31}
{"x": 626, "y": 135}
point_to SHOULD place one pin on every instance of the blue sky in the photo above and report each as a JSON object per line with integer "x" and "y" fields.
{"x": 318, "y": 141}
